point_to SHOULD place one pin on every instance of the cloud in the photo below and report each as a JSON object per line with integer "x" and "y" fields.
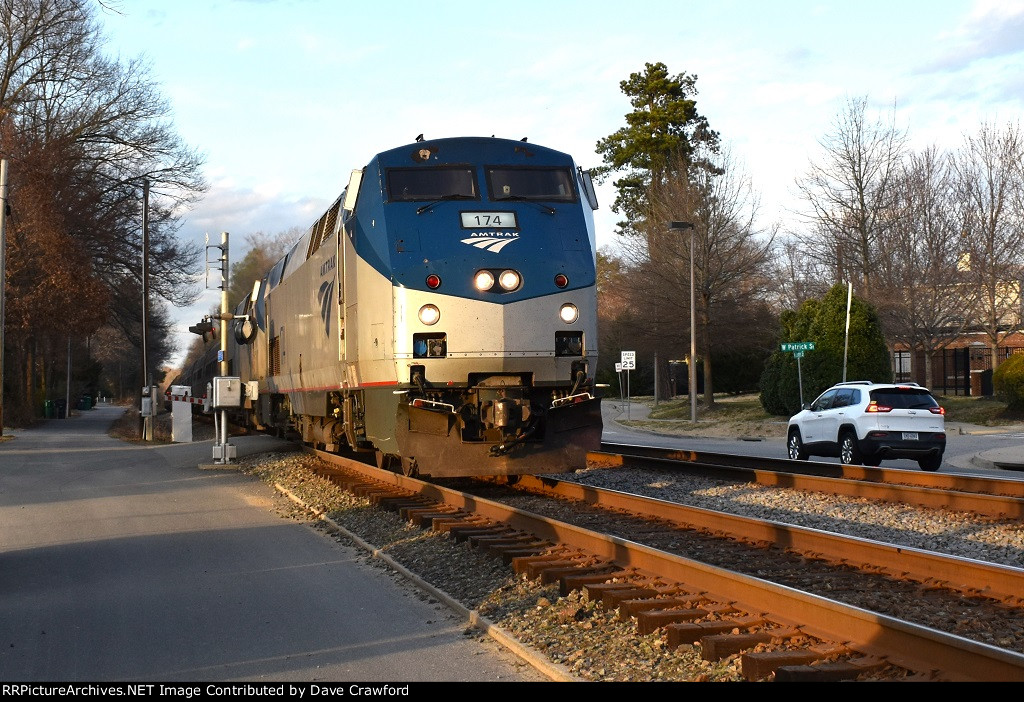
{"x": 994, "y": 30}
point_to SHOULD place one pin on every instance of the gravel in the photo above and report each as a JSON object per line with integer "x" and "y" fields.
{"x": 956, "y": 533}
{"x": 589, "y": 642}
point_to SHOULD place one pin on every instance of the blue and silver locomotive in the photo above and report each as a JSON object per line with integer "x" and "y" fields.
{"x": 442, "y": 314}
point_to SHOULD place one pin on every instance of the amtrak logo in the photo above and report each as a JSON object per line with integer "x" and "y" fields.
{"x": 324, "y": 296}
{"x": 491, "y": 242}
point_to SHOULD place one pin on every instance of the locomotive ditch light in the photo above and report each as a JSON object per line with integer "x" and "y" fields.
{"x": 429, "y": 315}
{"x": 509, "y": 280}
{"x": 568, "y": 313}
{"x": 484, "y": 280}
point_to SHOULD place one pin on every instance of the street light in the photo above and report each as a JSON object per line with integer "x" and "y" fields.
{"x": 692, "y": 365}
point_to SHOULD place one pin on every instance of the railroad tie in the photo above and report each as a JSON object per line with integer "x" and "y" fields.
{"x": 632, "y": 607}
{"x": 719, "y": 646}
{"x": 578, "y": 581}
{"x": 447, "y": 524}
{"x": 552, "y": 575}
{"x": 758, "y": 666}
{"x": 523, "y": 564}
{"x": 468, "y": 531}
{"x": 653, "y": 619}
{"x": 509, "y": 554}
{"x": 595, "y": 591}
{"x": 692, "y": 632}
{"x": 833, "y": 671}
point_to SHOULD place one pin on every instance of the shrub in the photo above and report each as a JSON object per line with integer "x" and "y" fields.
{"x": 1008, "y": 382}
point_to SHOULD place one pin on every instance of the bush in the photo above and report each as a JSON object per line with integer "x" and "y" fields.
{"x": 1008, "y": 382}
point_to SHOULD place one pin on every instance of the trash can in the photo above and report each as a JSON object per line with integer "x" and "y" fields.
{"x": 84, "y": 403}
{"x": 49, "y": 412}
{"x": 62, "y": 409}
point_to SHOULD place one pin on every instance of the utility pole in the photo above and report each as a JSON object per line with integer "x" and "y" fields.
{"x": 3, "y": 278}
{"x": 146, "y": 426}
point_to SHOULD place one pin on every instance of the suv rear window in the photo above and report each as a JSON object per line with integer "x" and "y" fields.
{"x": 904, "y": 398}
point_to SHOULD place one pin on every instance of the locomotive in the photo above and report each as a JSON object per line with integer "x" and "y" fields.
{"x": 441, "y": 314}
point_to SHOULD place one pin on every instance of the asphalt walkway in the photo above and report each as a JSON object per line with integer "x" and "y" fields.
{"x": 126, "y": 562}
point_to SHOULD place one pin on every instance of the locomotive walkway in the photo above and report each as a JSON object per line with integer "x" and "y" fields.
{"x": 125, "y": 562}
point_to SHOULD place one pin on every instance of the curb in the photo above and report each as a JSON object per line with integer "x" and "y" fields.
{"x": 555, "y": 671}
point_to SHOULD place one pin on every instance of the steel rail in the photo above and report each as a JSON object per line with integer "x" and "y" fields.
{"x": 798, "y": 476}
{"x": 898, "y": 476}
{"x": 902, "y": 643}
{"x": 962, "y": 574}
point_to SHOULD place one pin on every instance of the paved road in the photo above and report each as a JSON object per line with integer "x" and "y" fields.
{"x": 969, "y": 449}
{"x": 128, "y": 563}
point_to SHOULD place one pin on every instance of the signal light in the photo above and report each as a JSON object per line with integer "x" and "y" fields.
{"x": 433, "y": 281}
{"x": 202, "y": 328}
{"x": 561, "y": 280}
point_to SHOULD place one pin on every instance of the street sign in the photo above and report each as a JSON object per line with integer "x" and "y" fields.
{"x": 618, "y": 367}
{"x": 798, "y": 354}
{"x": 629, "y": 360}
{"x": 798, "y": 346}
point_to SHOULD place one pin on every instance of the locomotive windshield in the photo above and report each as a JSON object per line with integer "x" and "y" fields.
{"x": 506, "y": 183}
{"x": 410, "y": 184}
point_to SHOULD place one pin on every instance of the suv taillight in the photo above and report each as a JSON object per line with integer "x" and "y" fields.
{"x": 937, "y": 410}
{"x": 875, "y": 407}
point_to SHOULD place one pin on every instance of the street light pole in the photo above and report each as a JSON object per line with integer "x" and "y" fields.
{"x": 692, "y": 365}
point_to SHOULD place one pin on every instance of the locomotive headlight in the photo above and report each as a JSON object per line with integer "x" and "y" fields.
{"x": 484, "y": 280}
{"x": 569, "y": 313}
{"x": 429, "y": 314}
{"x": 509, "y": 280}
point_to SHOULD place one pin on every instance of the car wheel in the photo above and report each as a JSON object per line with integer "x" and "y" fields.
{"x": 849, "y": 452}
{"x": 795, "y": 446}
{"x": 930, "y": 462}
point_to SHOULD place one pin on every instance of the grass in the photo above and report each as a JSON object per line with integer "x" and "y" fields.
{"x": 731, "y": 415}
{"x": 743, "y": 416}
{"x": 126, "y": 428}
{"x": 984, "y": 411}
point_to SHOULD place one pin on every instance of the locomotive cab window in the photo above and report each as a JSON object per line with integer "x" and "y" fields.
{"x": 507, "y": 183}
{"x": 416, "y": 184}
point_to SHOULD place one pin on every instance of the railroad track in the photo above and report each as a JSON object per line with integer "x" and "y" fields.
{"x": 778, "y": 631}
{"x": 993, "y": 497}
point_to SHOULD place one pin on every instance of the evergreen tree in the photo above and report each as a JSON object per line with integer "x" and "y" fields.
{"x": 663, "y": 130}
{"x": 824, "y": 322}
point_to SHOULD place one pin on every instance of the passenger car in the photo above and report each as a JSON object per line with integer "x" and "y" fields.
{"x": 866, "y": 422}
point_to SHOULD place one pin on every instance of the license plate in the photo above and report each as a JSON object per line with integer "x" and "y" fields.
{"x": 910, "y": 436}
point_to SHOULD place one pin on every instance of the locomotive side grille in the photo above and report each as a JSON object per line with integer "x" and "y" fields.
{"x": 323, "y": 228}
{"x": 275, "y": 356}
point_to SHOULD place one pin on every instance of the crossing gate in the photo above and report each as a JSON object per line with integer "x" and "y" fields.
{"x": 181, "y": 412}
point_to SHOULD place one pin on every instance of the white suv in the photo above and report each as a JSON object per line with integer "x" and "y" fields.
{"x": 865, "y": 422}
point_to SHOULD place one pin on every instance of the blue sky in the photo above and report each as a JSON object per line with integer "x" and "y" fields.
{"x": 286, "y": 97}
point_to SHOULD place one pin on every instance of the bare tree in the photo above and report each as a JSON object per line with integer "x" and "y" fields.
{"x": 731, "y": 256}
{"x": 850, "y": 192}
{"x": 922, "y": 303}
{"x": 797, "y": 277}
{"x": 990, "y": 196}
{"x": 83, "y": 133}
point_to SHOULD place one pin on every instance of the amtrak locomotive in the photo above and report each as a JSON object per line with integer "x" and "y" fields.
{"x": 441, "y": 314}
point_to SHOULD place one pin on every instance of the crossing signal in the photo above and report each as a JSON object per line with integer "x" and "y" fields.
{"x": 202, "y": 329}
